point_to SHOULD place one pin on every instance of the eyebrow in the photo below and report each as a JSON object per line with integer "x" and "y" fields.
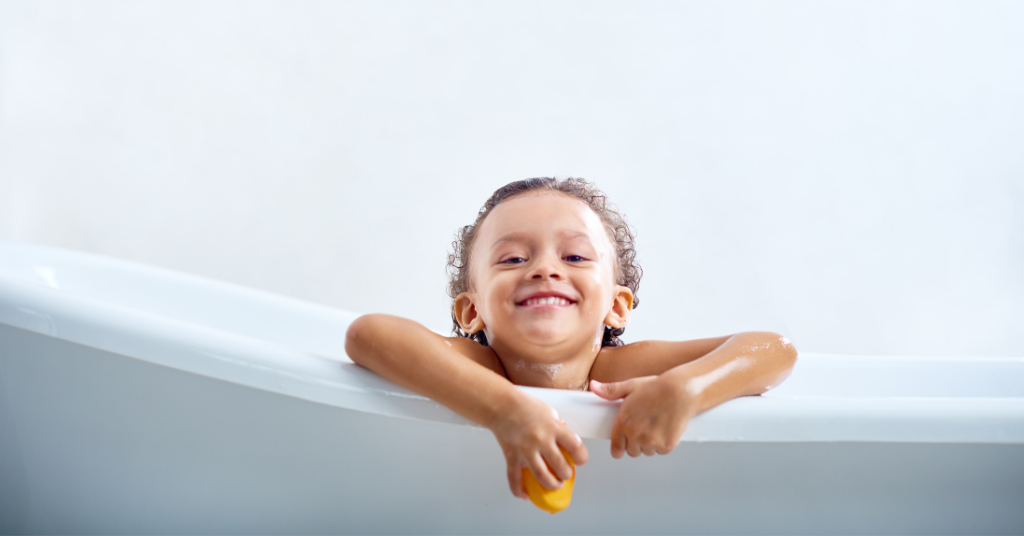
{"x": 511, "y": 237}
{"x": 519, "y": 236}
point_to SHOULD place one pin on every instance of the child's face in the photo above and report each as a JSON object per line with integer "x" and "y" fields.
{"x": 542, "y": 275}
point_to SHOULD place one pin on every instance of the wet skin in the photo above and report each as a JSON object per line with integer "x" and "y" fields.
{"x": 542, "y": 288}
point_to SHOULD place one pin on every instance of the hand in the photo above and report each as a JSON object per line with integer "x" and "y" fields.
{"x": 653, "y": 415}
{"x": 529, "y": 434}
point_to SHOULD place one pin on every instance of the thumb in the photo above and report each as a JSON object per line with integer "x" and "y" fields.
{"x": 612, "y": 391}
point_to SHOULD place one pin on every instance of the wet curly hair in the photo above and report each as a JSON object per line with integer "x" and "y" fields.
{"x": 622, "y": 236}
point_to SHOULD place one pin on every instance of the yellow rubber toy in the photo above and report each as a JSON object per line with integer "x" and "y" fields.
{"x": 550, "y": 500}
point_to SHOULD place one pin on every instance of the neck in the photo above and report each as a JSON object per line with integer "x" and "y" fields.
{"x": 548, "y": 367}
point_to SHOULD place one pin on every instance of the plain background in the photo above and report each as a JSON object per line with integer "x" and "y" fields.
{"x": 849, "y": 174}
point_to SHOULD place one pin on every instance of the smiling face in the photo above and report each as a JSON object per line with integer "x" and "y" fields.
{"x": 542, "y": 278}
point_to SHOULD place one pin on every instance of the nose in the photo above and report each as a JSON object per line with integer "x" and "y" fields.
{"x": 547, "y": 267}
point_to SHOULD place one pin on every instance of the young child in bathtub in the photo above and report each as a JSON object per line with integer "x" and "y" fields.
{"x": 543, "y": 283}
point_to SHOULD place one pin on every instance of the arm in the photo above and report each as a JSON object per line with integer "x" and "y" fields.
{"x": 469, "y": 379}
{"x": 673, "y": 381}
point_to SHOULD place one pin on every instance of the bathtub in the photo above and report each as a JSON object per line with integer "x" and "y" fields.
{"x": 135, "y": 399}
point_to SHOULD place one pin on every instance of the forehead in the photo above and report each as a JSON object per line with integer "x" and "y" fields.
{"x": 545, "y": 212}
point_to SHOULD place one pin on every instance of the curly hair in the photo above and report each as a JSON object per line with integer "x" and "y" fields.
{"x": 622, "y": 236}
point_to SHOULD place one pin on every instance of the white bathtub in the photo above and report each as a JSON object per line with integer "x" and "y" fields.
{"x": 135, "y": 399}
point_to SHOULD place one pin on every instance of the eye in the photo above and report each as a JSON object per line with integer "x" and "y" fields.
{"x": 574, "y": 258}
{"x": 513, "y": 260}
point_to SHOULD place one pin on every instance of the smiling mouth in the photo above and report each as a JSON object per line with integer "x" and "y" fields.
{"x": 546, "y": 300}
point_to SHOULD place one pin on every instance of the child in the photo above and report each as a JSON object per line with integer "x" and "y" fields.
{"x": 542, "y": 286}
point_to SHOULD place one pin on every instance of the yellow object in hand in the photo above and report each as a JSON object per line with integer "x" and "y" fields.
{"x": 550, "y": 500}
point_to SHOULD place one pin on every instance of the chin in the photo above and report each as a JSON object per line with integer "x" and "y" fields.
{"x": 548, "y": 337}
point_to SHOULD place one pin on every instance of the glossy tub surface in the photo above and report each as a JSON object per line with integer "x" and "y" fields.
{"x": 135, "y": 399}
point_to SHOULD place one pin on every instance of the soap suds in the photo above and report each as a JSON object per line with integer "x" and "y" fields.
{"x": 549, "y": 370}
{"x": 581, "y": 387}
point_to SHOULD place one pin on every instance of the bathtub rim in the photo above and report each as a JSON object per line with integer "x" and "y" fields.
{"x": 272, "y": 367}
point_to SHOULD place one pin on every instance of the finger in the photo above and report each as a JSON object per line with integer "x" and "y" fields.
{"x": 633, "y": 447}
{"x": 515, "y": 481}
{"x": 572, "y": 443}
{"x": 541, "y": 472}
{"x": 647, "y": 449}
{"x": 618, "y": 440}
{"x": 612, "y": 391}
{"x": 558, "y": 464}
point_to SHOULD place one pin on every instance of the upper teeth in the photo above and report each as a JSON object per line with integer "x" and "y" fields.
{"x": 546, "y": 301}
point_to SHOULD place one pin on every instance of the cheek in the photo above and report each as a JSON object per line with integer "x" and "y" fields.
{"x": 600, "y": 286}
{"x": 497, "y": 292}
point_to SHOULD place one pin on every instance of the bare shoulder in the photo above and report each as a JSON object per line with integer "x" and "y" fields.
{"x": 478, "y": 353}
{"x": 649, "y": 358}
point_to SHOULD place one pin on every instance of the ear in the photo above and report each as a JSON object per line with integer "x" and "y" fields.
{"x": 622, "y": 304}
{"x": 467, "y": 314}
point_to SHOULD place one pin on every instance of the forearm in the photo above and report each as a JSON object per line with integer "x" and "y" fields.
{"x": 418, "y": 359}
{"x": 745, "y": 364}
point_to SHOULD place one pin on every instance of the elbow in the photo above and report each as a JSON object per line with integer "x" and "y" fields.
{"x": 775, "y": 355}
{"x": 359, "y": 337}
{"x": 786, "y": 347}
{"x": 782, "y": 344}
{"x": 776, "y": 345}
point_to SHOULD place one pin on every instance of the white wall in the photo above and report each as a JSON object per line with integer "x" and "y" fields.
{"x": 849, "y": 174}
